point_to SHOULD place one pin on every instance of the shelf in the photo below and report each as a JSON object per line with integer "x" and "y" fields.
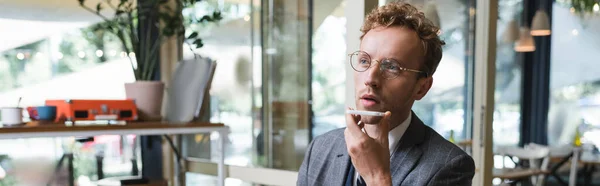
{"x": 37, "y": 129}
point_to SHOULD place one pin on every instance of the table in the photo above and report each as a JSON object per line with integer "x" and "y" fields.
{"x": 516, "y": 174}
{"x": 557, "y": 163}
{"x": 589, "y": 161}
{"x": 465, "y": 143}
{"x": 39, "y": 129}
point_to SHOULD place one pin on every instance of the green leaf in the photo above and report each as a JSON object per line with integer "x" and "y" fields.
{"x": 121, "y": 3}
{"x": 164, "y": 16}
{"x": 98, "y": 8}
{"x": 81, "y": 2}
{"x": 217, "y": 16}
{"x": 198, "y": 42}
{"x": 168, "y": 32}
{"x": 193, "y": 35}
{"x": 166, "y": 7}
{"x": 205, "y": 18}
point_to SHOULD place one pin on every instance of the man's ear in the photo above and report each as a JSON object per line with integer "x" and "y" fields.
{"x": 423, "y": 86}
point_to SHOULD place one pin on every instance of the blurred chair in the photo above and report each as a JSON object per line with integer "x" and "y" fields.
{"x": 560, "y": 154}
{"x": 537, "y": 164}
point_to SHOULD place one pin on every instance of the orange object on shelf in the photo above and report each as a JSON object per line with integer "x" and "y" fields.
{"x": 91, "y": 110}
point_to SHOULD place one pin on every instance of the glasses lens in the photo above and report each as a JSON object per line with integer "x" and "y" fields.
{"x": 360, "y": 61}
{"x": 390, "y": 68}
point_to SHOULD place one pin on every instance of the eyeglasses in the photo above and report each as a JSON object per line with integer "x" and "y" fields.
{"x": 361, "y": 62}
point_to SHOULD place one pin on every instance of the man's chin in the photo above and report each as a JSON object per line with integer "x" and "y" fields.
{"x": 370, "y": 119}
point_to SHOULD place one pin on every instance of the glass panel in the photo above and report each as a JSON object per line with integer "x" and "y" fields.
{"x": 507, "y": 106}
{"x": 329, "y": 55}
{"x": 234, "y": 44}
{"x": 574, "y": 77}
{"x": 286, "y": 82}
{"x": 444, "y": 107}
{"x": 261, "y": 85}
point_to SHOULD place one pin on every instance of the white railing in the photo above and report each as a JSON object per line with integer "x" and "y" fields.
{"x": 256, "y": 175}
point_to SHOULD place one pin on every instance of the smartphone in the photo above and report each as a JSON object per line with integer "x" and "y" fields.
{"x": 365, "y": 113}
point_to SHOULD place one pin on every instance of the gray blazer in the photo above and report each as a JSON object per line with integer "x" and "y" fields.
{"x": 423, "y": 157}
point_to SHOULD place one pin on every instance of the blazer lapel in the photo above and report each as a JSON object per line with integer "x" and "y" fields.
{"x": 341, "y": 164}
{"x": 407, "y": 153}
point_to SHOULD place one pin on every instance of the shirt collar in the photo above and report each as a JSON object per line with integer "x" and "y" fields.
{"x": 397, "y": 132}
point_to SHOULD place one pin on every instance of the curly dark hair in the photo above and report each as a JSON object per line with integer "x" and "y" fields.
{"x": 406, "y": 15}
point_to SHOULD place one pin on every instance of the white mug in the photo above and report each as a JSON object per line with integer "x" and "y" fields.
{"x": 12, "y": 115}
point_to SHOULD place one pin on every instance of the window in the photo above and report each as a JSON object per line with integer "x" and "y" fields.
{"x": 260, "y": 89}
{"x": 329, "y": 55}
{"x": 236, "y": 83}
{"x": 444, "y": 107}
{"x": 62, "y": 60}
{"x": 574, "y": 78}
{"x": 507, "y": 106}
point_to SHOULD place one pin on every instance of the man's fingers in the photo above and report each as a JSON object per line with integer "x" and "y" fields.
{"x": 362, "y": 126}
{"x": 384, "y": 126}
{"x": 352, "y": 124}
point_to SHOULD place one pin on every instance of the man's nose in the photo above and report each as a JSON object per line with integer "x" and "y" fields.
{"x": 373, "y": 75}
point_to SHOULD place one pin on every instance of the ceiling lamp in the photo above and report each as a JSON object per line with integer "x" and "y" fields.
{"x": 540, "y": 25}
{"x": 431, "y": 13}
{"x": 511, "y": 33}
{"x": 525, "y": 42}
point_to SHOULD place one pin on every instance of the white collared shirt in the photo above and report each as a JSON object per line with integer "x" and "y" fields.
{"x": 394, "y": 137}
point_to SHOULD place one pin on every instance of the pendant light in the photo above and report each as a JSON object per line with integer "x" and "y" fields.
{"x": 540, "y": 25}
{"x": 431, "y": 13}
{"x": 525, "y": 42}
{"x": 511, "y": 33}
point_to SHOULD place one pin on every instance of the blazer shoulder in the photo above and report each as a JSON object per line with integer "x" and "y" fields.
{"x": 330, "y": 141}
{"x": 452, "y": 165}
{"x": 335, "y": 134}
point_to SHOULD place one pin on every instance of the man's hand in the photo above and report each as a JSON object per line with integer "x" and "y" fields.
{"x": 370, "y": 155}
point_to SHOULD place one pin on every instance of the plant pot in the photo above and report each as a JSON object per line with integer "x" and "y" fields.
{"x": 148, "y": 96}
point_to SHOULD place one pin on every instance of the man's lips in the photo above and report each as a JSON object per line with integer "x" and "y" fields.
{"x": 370, "y": 97}
{"x": 369, "y": 100}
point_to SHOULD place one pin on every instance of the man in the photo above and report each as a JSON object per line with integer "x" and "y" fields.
{"x": 399, "y": 52}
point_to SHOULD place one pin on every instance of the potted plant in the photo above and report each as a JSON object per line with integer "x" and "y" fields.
{"x": 166, "y": 20}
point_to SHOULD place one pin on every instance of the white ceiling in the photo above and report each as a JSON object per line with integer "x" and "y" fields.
{"x": 26, "y": 21}
{"x": 61, "y": 10}
{"x": 47, "y": 10}
{"x": 16, "y": 33}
